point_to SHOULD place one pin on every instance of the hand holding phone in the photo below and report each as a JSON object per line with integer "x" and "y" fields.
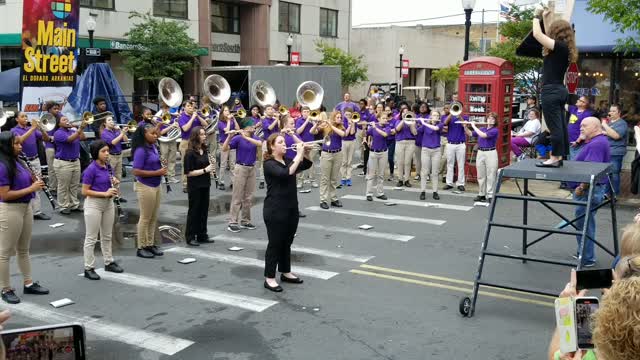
{"x": 585, "y": 307}
{"x": 594, "y": 279}
{"x": 58, "y": 342}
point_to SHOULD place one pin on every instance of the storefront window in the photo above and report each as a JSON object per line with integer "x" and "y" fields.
{"x": 629, "y": 90}
{"x": 595, "y": 83}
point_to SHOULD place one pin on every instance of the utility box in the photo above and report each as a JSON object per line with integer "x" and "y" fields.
{"x": 486, "y": 85}
{"x": 284, "y": 79}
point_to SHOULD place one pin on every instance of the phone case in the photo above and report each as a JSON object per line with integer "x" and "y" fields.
{"x": 566, "y": 323}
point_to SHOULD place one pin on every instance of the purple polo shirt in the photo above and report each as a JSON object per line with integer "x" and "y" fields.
{"x": 456, "y": 131}
{"x": 21, "y": 181}
{"x": 97, "y": 177}
{"x": 146, "y": 157}
{"x": 378, "y": 142}
{"x": 221, "y": 126}
{"x": 163, "y": 126}
{"x": 49, "y": 144}
{"x": 404, "y": 133}
{"x": 245, "y": 150}
{"x": 30, "y": 145}
{"x": 344, "y": 105}
{"x": 306, "y": 134}
{"x": 596, "y": 150}
{"x": 182, "y": 121}
{"x": 419, "y": 125}
{"x": 289, "y": 142}
{"x": 348, "y": 137}
{"x": 575, "y": 120}
{"x": 266, "y": 122}
{"x": 490, "y": 140}
{"x": 430, "y": 138}
{"x": 336, "y": 143}
{"x": 108, "y": 136}
{"x": 66, "y": 150}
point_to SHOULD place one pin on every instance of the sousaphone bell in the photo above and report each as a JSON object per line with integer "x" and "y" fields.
{"x": 170, "y": 94}
{"x": 218, "y": 90}
{"x": 310, "y": 94}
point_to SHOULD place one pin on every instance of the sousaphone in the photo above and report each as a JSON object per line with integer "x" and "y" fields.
{"x": 310, "y": 94}
{"x": 170, "y": 94}
{"x": 218, "y": 90}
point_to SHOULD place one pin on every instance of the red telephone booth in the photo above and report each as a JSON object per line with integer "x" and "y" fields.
{"x": 486, "y": 85}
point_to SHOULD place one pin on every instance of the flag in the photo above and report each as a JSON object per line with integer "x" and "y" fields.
{"x": 505, "y": 7}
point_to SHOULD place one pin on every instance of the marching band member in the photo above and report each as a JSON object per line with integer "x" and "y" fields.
{"x": 331, "y": 157}
{"x": 290, "y": 137}
{"x": 268, "y": 124}
{"x": 99, "y": 188}
{"x": 348, "y": 147}
{"x": 244, "y": 177}
{"x": 303, "y": 130}
{"x": 237, "y": 105}
{"x": 198, "y": 165}
{"x": 391, "y": 143}
{"x": 423, "y": 113}
{"x": 187, "y": 120}
{"x": 113, "y": 137}
{"x": 17, "y": 188}
{"x": 361, "y": 130}
{"x": 405, "y": 142}
{"x": 50, "y": 150}
{"x": 368, "y": 116}
{"x": 148, "y": 172}
{"x": 167, "y": 149}
{"x": 29, "y": 137}
{"x": 254, "y": 119}
{"x": 487, "y": 157}
{"x": 456, "y": 147}
{"x": 228, "y": 157}
{"x": 430, "y": 157}
{"x": 67, "y": 164}
{"x": 280, "y": 211}
{"x": 378, "y": 131}
{"x": 100, "y": 113}
{"x": 346, "y": 104}
{"x": 212, "y": 138}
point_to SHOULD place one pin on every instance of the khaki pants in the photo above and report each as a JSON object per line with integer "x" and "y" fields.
{"x": 168, "y": 151}
{"x": 184, "y": 145}
{"x": 359, "y": 145}
{"x": 309, "y": 174}
{"x": 455, "y": 155}
{"x": 487, "y": 168}
{"x": 16, "y": 220}
{"x": 52, "y": 180}
{"x": 99, "y": 215}
{"x": 36, "y": 206}
{"x": 330, "y": 168}
{"x": 348, "y": 149}
{"x": 244, "y": 187}
{"x": 260, "y": 150}
{"x": 375, "y": 172}
{"x": 68, "y": 173}
{"x": 404, "y": 153}
{"x": 116, "y": 165}
{"x": 430, "y": 165}
{"x": 227, "y": 162}
{"x": 443, "y": 157}
{"x": 417, "y": 159}
{"x": 149, "y": 202}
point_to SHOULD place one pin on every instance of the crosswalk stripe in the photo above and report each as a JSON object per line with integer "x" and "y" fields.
{"x": 302, "y": 249}
{"x": 378, "y": 215}
{"x": 164, "y": 344}
{"x": 367, "y": 233}
{"x": 445, "y": 192}
{"x": 413, "y": 203}
{"x": 220, "y": 297}
{"x": 240, "y": 260}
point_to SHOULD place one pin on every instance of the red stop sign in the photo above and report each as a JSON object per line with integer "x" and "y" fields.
{"x": 571, "y": 78}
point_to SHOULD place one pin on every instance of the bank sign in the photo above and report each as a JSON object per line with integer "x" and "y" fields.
{"x": 49, "y": 51}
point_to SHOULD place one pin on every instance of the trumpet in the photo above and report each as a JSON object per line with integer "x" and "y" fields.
{"x": 355, "y": 117}
{"x": 283, "y": 110}
{"x": 294, "y": 146}
{"x": 240, "y": 114}
{"x": 165, "y": 118}
{"x": 132, "y": 126}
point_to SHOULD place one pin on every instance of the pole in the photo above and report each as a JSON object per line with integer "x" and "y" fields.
{"x": 482, "y": 42}
{"x": 289, "y": 55}
{"x": 467, "y": 28}
{"x": 400, "y": 78}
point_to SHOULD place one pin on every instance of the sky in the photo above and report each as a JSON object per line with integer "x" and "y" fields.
{"x": 383, "y": 11}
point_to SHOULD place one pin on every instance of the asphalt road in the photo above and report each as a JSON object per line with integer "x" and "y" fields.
{"x": 391, "y": 292}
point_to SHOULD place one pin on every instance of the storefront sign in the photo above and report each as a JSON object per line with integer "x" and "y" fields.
{"x": 117, "y": 45}
{"x": 49, "y": 51}
{"x": 226, "y": 48}
{"x": 405, "y": 68}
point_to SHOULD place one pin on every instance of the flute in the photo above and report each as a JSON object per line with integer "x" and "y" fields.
{"x": 165, "y": 165}
{"x": 45, "y": 189}
{"x": 306, "y": 143}
{"x": 116, "y": 199}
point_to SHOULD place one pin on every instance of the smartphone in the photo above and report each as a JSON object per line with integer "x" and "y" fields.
{"x": 585, "y": 307}
{"x": 594, "y": 279}
{"x": 55, "y": 342}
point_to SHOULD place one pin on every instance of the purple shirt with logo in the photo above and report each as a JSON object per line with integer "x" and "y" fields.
{"x": 575, "y": 120}
{"x": 30, "y": 145}
{"x": 456, "y": 131}
{"x": 336, "y": 143}
{"x": 430, "y": 138}
{"x": 490, "y": 140}
{"x": 306, "y": 134}
{"x": 378, "y": 142}
{"x": 223, "y": 125}
{"x": 97, "y": 177}
{"x": 66, "y": 150}
{"x": 404, "y": 133}
{"x": 146, "y": 157}
{"x": 245, "y": 150}
{"x": 419, "y": 125}
{"x": 108, "y": 136}
{"x": 21, "y": 181}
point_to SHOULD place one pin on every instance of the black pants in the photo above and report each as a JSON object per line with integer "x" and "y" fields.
{"x": 391, "y": 146}
{"x": 365, "y": 157}
{"x": 553, "y": 98}
{"x": 282, "y": 225}
{"x": 197, "y": 213}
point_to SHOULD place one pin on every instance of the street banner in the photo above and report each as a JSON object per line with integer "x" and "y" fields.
{"x": 405, "y": 68}
{"x": 295, "y": 58}
{"x": 49, "y": 52}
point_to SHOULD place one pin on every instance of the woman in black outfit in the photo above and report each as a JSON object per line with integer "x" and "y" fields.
{"x": 198, "y": 166}
{"x": 559, "y": 50}
{"x": 281, "y": 208}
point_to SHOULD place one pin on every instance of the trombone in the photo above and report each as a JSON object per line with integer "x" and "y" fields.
{"x": 87, "y": 119}
{"x": 456, "y": 108}
{"x": 409, "y": 118}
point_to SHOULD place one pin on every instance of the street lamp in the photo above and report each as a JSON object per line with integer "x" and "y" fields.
{"x": 468, "y": 9}
{"x": 91, "y": 27}
{"x": 289, "y": 44}
{"x": 400, "y": 52}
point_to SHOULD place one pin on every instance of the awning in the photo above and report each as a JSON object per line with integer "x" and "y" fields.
{"x": 593, "y": 32}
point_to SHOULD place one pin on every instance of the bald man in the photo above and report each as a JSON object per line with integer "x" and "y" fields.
{"x": 596, "y": 149}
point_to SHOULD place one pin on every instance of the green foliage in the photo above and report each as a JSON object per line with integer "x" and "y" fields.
{"x": 446, "y": 75}
{"x": 625, "y": 16}
{"x": 160, "y": 48}
{"x": 353, "y": 69}
{"x": 514, "y": 31}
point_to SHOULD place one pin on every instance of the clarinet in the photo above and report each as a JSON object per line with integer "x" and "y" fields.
{"x": 33, "y": 172}
{"x": 116, "y": 199}
{"x": 165, "y": 165}
{"x": 212, "y": 161}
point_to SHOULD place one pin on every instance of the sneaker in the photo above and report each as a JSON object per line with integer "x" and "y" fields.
{"x": 221, "y": 187}
{"x": 399, "y": 184}
{"x": 91, "y": 274}
{"x": 407, "y": 183}
{"x": 41, "y": 216}
{"x": 113, "y": 267}
{"x": 314, "y": 184}
{"x": 324, "y": 205}
{"x": 261, "y": 186}
{"x": 234, "y": 228}
{"x": 348, "y": 182}
{"x": 10, "y": 297}
{"x": 35, "y": 289}
{"x": 461, "y": 187}
{"x": 145, "y": 254}
{"x": 423, "y": 195}
{"x": 369, "y": 198}
{"x": 248, "y": 226}
{"x": 336, "y": 203}
{"x": 436, "y": 196}
{"x": 65, "y": 212}
{"x": 480, "y": 198}
{"x": 382, "y": 197}
{"x": 447, "y": 187}
{"x": 343, "y": 182}
{"x": 589, "y": 264}
{"x": 155, "y": 250}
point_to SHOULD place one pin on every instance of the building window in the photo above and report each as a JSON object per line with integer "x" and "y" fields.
{"x": 98, "y": 4}
{"x": 225, "y": 18}
{"x": 171, "y": 8}
{"x": 289, "y": 17}
{"x": 328, "y": 22}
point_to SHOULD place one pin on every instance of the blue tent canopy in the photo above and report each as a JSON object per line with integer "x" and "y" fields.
{"x": 10, "y": 85}
{"x": 593, "y": 32}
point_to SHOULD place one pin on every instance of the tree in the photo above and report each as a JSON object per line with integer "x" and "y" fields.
{"x": 625, "y": 17}
{"x": 354, "y": 71}
{"x": 526, "y": 70}
{"x": 447, "y": 75}
{"x": 159, "y": 48}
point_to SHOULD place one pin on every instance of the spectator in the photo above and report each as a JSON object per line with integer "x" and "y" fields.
{"x": 577, "y": 113}
{"x": 616, "y": 130}
{"x": 525, "y": 136}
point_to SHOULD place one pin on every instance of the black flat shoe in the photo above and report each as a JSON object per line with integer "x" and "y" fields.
{"x": 336, "y": 203}
{"x": 436, "y": 196}
{"x": 324, "y": 205}
{"x": 35, "y": 289}
{"x": 91, "y": 274}
{"x": 204, "y": 239}
{"x": 41, "y": 216}
{"x": 382, "y": 197}
{"x": 274, "y": 288}
{"x": 301, "y": 215}
{"x": 423, "y": 195}
{"x": 10, "y": 297}
{"x": 145, "y": 253}
{"x": 555, "y": 164}
{"x": 114, "y": 268}
{"x": 155, "y": 250}
{"x": 369, "y": 198}
{"x": 123, "y": 200}
{"x": 192, "y": 242}
{"x": 447, "y": 187}
{"x": 290, "y": 280}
